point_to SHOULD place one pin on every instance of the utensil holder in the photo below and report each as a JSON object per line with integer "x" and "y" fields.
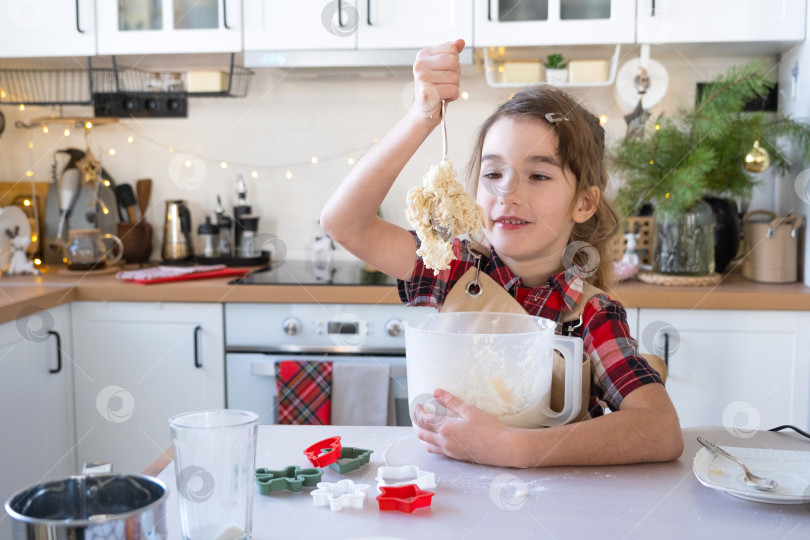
{"x": 137, "y": 239}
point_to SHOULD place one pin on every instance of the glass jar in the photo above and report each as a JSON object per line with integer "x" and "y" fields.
{"x": 208, "y": 239}
{"x": 683, "y": 243}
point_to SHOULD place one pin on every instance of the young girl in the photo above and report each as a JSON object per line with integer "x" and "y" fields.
{"x": 538, "y": 173}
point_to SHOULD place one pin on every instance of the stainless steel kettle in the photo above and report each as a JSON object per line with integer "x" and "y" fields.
{"x": 177, "y": 232}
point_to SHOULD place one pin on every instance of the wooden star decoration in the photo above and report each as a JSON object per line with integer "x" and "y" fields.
{"x": 89, "y": 168}
{"x": 636, "y": 120}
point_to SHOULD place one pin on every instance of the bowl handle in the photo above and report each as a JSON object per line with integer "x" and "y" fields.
{"x": 571, "y": 349}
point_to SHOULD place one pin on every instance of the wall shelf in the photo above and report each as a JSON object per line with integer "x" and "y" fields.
{"x": 494, "y": 60}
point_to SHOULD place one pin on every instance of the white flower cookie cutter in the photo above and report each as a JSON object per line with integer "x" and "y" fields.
{"x": 406, "y": 474}
{"x": 339, "y": 495}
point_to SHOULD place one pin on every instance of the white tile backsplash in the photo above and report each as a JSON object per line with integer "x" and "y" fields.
{"x": 281, "y": 124}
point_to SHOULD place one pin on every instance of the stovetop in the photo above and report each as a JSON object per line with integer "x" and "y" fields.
{"x": 308, "y": 273}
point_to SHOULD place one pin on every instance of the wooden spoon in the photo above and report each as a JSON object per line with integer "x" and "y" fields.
{"x": 143, "y": 189}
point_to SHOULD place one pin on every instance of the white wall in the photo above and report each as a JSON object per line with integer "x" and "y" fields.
{"x": 284, "y": 121}
{"x": 792, "y": 190}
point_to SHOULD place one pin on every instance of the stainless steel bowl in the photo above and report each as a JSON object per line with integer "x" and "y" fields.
{"x": 108, "y": 506}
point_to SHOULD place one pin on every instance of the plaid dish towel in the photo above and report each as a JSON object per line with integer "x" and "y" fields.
{"x": 304, "y": 392}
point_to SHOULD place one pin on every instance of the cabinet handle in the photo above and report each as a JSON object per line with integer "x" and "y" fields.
{"x": 58, "y": 352}
{"x": 225, "y": 14}
{"x": 197, "y": 363}
{"x": 666, "y": 350}
{"x": 652, "y": 12}
{"x": 489, "y": 10}
{"x": 340, "y": 13}
{"x": 78, "y": 26}
{"x": 368, "y": 12}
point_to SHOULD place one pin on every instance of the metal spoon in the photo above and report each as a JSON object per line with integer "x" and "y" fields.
{"x": 757, "y": 482}
{"x": 441, "y": 230}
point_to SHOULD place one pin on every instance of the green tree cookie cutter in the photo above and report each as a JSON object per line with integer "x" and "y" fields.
{"x": 291, "y": 478}
{"x": 351, "y": 459}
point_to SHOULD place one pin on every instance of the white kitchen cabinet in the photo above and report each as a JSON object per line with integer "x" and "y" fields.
{"x": 36, "y": 400}
{"x": 292, "y": 25}
{"x": 698, "y": 21}
{"x": 392, "y": 24}
{"x": 37, "y": 28}
{"x": 168, "y": 26}
{"x": 632, "y": 321}
{"x": 553, "y": 22}
{"x": 740, "y": 369}
{"x": 136, "y": 365}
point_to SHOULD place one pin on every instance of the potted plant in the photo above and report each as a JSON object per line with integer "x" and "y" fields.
{"x": 556, "y": 69}
{"x": 705, "y": 150}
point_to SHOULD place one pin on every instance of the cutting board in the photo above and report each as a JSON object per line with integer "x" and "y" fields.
{"x": 223, "y": 272}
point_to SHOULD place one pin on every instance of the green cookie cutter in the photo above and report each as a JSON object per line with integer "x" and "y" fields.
{"x": 351, "y": 459}
{"x": 291, "y": 478}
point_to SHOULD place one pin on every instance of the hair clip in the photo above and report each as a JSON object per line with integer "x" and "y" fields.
{"x": 554, "y": 117}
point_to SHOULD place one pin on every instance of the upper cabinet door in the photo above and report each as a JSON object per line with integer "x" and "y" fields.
{"x": 169, "y": 26}
{"x": 393, "y": 24}
{"x": 553, "y": 22}
{"x": 39, "y": 28}
{"x": 698, "y": 21}
{"x": 300, "y": 25}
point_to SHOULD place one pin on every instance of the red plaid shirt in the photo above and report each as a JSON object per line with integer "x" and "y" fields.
{"x": 604, "y": 331}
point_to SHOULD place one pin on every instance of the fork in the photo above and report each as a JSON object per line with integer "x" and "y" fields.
{"x": 757, "y": 482}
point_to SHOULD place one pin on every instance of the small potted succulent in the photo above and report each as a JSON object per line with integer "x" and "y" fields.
{"x": 556, "y": 69}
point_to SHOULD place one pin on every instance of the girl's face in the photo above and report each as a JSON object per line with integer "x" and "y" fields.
{"x": 525, "y": 192}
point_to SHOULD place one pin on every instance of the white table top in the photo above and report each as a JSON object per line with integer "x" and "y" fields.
{"x": 662, "y": 500}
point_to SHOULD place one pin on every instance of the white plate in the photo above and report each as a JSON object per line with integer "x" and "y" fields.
{"x": 790, "y": 469}
{"x": 10, "y": 217}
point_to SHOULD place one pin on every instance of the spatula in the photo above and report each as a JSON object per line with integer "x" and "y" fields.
{"x": 143, "y": 190}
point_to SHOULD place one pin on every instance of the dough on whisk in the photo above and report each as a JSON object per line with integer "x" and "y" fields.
{"x": 442, "y": 198}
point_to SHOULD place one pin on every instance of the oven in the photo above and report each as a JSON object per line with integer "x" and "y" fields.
{"x": 257, "y": 336}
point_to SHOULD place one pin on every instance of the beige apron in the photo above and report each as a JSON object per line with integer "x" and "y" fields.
{"x": 476, "y": 291}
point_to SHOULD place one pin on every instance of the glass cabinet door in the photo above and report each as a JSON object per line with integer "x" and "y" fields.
{"x": 169, "y": 26}
{"x": 196, "y": 14}
{"x": 553, "y": 22}
{"x": 140, "y": 15}
{"x": 584, "y": 9}
{"x": 523, "y": 10}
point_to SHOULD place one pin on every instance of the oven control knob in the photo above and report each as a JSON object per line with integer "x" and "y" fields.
{"x": 291, "y": 326}
{"x": 393, "y": 327}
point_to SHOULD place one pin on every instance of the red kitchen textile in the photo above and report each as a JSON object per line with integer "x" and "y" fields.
{"x": 304, "y": 392}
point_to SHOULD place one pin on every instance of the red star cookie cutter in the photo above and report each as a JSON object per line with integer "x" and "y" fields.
{"x": 324, "y": 452}
{"x": 404, "y": 498}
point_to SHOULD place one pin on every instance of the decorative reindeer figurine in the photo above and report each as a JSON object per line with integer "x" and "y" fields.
{"x": 19, "y": 263}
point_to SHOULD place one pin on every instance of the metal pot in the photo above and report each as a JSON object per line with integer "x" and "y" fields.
{"x": 93, "y": 506}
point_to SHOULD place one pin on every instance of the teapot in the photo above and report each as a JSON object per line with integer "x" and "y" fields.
{"x": 86, "y": 250}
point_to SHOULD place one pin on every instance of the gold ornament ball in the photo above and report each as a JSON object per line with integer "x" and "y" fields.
{"x": 757, "y": 159}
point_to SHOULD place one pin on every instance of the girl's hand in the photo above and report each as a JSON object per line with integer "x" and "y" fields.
{"x": 436, "y": 73}
{"x": 472, "y": 435}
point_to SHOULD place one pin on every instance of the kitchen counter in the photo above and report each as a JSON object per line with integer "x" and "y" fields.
{"x": 653, "y": 500}
{"x": 53, "y": 288}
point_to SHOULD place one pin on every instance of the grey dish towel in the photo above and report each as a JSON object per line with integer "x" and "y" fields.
{"x": 361, "y": 394}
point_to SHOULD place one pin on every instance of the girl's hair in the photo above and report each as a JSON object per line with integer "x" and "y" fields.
{"x": 581, "y": 149}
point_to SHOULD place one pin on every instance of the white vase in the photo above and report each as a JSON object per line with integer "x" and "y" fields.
{"x": 556, "y": 76}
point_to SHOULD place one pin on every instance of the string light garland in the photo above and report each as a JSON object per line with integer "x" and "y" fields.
{"x": 255, "y": 170}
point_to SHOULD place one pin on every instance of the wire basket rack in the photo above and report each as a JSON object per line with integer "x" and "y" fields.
{"x": 78, "y": 86}
{"x": 234, "y": 82}
{"x": 47, "y": 86}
